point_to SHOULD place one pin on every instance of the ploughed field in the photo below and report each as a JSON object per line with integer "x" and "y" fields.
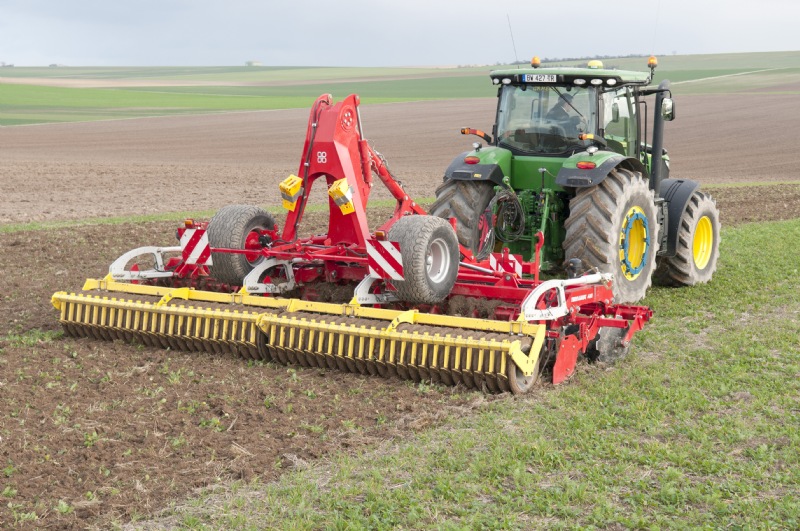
{"x": 94, "y": 432}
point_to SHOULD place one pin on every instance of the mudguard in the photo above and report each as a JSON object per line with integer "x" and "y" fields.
{"x": 676, "y": 193}
{"x": 490, "y": 168}
{"x": 573, "y": 177}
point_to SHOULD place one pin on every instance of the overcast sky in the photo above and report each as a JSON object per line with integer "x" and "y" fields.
{"x": 375, "y": 33}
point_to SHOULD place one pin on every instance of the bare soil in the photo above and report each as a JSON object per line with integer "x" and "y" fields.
{"x": 93, "y": 433}
{"x": 154, "y": 165}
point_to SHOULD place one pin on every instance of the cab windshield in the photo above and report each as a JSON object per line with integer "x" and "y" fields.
{"x": 536, "y": 119}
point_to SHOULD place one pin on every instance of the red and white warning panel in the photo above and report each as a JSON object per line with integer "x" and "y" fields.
{"x": 195, "y": 249}
{"x": 505, "y": 262}
{"x": 384, "y": 259}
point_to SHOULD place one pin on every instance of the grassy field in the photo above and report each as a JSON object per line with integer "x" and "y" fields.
{"x": 226, "y": 89}
{"x": 697, "y": 429}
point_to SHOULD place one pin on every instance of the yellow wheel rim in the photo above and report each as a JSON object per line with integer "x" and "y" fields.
{"x": 634, "y": 243}
{"x": 702, "y": 242}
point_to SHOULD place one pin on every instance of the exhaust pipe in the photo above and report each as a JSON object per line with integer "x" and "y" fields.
{"x": 657, "y": 152}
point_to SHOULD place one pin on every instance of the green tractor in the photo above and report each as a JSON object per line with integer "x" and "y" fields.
{"x": 569, "y": 157}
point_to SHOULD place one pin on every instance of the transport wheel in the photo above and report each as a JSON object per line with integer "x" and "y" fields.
{"x": 429, "y": 249}
{"x": 695, "y": 260}
{"x": 467, "y": 202}
{"x": 613, "y": 227}
{"x": 236, "y": 227}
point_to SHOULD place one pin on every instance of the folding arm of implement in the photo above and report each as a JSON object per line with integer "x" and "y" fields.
{"x": 493, "y": 330}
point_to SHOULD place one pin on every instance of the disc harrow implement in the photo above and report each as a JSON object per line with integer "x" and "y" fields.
{"x": 405, "y": 300}
{"x": 476, "y": 353}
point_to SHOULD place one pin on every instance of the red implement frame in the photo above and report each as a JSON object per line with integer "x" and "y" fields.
{"x": 335, "y": 149}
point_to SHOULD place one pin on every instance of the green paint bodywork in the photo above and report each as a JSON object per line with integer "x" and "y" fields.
{"x": 544, "y": 202}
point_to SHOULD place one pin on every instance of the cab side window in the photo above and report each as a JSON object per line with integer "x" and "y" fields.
{"x": 619, "y": 120}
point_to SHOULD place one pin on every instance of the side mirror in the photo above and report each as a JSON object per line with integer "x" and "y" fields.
{"x": 615, "y": 112}
{"x": 668, "y": 109}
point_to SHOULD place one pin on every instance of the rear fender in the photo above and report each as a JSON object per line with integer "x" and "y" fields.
{"x": 495, "y": 163}
{"x": 569, "y": 176}
{"x": 676, "y": 194}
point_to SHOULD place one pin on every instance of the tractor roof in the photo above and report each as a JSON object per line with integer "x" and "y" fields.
{"x": 570, "y": 76}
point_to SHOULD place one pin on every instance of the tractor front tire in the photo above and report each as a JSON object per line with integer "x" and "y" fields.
{"x": 236, "y": 227}
{"x": 429, "y": 249}
{"x": 467, "y": 202}
{"x": 695, "y": 260}
{"x": 613, "y": 228}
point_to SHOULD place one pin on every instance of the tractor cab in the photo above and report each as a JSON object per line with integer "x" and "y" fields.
{"x": 561, "y": 111}
{"x": 545, "y": 120}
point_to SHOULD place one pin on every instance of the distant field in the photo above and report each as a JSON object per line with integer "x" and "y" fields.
{"x": 29, "y": 104}
{"x": 227, "y": 74}
{"x": 33, "y": 95}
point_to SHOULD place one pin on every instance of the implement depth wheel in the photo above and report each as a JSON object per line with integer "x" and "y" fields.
{"x": 695, "y": 260}
{"x": 613, "y": 227}
{"x": 519, "y": 383}
{"x": 237, "y": 227}
{"x": 468, "y": 203}
{"x": 429, "y": 249}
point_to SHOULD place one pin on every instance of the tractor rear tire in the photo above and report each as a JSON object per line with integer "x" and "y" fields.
{"x": 467, "y": 202}
{"x": 429, "y": 249}
{"x": 236, "y": 227}
{"x": 613, "y": 228}
{"x": 695, "y": 260}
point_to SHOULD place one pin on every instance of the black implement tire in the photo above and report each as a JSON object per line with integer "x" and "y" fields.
{"x": 467, "y": 202}
{"x": 695, "y": 260}
{"x": 429, "y": 249}
{"x": 230, "y": 228}
{"x": 598, "y": 219}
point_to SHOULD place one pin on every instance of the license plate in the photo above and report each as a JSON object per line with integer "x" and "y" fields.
{"x": 539, "y": 78}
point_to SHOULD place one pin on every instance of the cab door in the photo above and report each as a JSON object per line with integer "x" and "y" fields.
{"x": 619, "y": 121}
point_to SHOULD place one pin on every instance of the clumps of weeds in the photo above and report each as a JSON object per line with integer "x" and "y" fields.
{"x": 174, "y": 377}
{"x": 214, "y": 423}
{"x": 61, "y": 414}
{"x": 191, "y": 406}
{"x": 269, "y": 402}
{"x": 63, "y": 507}
{"x": 31, "y": 338}
{"x": 313, "y": 428}
{"x": 90, "y": 439}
